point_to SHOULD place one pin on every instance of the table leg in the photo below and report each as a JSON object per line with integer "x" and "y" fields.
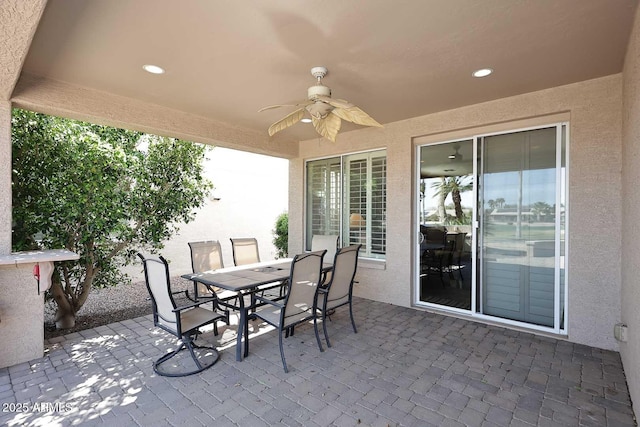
{"x": 241, "y": 327}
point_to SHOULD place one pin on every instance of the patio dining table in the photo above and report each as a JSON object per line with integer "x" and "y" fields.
{"x": 245, "y": 280}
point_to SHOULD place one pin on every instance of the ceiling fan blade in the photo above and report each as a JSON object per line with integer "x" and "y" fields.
{"x": 349, "y": 112}
{"x": 328, "y": 126}
{"x": 355, "y": 115}
{"x": 336, "y": 103}
{"x": 271, "y": 107}
{"x": 289, "y": 120}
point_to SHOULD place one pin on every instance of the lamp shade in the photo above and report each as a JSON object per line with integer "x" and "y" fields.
{"x": 356, "y": 220}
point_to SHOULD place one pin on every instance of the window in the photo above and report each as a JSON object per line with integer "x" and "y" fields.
{"x": 347, "y": 195}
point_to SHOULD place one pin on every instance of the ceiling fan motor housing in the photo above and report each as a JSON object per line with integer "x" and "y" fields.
{"x": 318, "y": 90}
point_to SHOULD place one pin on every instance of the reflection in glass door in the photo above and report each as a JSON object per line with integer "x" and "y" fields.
{"x": 444, "y": 215}
{"x": 521, "y": 212}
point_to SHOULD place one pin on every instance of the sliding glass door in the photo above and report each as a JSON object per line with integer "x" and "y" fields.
{"x": 491, "y": 226}
{"x": 445, "y": 214}
{"x": 521, "y": 234}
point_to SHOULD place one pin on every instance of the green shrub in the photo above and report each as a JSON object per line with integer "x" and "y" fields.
{"x": 281, "y": 235}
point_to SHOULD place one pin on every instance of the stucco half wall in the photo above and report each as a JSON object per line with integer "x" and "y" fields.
{"x": 594, "y": 276}
{"x": 630, "y": 296}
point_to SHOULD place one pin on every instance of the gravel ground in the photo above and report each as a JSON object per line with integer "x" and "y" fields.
{"x": 108, "y": 305}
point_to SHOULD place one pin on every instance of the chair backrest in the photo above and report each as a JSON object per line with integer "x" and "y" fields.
{"x": 205, "y": 256}
{"x": 345, "y": 265}
{"x": 156, "y": 275}
{"x": 245, "y": 251}
{"x": 325, "y": 241}
{"x": 435, "y": 235}
{"x": 306, "y": 272}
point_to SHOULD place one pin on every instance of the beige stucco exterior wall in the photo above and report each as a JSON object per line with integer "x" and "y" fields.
{"x": 80, "y": 103}
{"x": 630, "y": 294}
{"x": 21, "y": 315}
{"x": 594, "y": 179}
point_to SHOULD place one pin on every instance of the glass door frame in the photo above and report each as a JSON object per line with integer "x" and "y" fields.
{"x": 562, "y": 187}
{"x": 416, "y": 231}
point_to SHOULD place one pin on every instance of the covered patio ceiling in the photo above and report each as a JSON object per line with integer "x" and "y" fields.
{"x": 225, "y": 60}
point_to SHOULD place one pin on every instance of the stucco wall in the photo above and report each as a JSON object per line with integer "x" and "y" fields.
{"x": 252, "y": 192}
{"x": 21, "y": 315}
{"x": 594, "y": 179}
{"x": 630, "y": 294}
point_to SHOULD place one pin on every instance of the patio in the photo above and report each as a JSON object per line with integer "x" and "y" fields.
{"x": 404, "y": 367}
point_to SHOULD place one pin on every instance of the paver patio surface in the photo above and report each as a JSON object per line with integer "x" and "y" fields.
{"x": 403, "y": 367}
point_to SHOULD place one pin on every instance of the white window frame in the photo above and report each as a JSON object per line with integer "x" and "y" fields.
{"x": 344, "y": 213}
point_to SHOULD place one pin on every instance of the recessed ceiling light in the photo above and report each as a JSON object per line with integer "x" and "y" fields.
{"x": 153, "y": 69}
{"x": 483, "y": 72}
{"x": 305, "y": 120}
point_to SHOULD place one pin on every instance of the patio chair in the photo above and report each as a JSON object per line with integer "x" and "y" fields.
{"x": 299, "y": 304}
{"x": 325, "y": 241}
{"x": 435, "y": 247}
{"x": 459, "y": 240}
{"x": 245, "y": 251}
{"x": 182, "y": 322}
{"x": 339, "y": 291}
{"x": 206, "y": 256}
{"x": 328, "y": 242}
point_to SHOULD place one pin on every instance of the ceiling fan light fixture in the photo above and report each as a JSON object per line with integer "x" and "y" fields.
{"x": 306, "y": 120}
{"x": 455, "y": 156}
{"x": 483, "y": 72}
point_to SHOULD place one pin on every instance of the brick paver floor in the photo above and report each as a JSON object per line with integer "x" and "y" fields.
{"x": 403, "y": 367}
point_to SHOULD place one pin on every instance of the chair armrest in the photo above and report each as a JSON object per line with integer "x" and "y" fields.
{"x": 195, "y": 304}
{"x": 186, "y": 293}
{"x": 268, "y": 301}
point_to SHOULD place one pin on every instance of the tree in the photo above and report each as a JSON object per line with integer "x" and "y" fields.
{"x": 454, "y": 185}
{"x": 541, "y": 210}
{"x": 91, "y": 190}
{"x": 281, "y": 235}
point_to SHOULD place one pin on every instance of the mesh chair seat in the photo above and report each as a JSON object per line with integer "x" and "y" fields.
{"x": 194, "y": 317}
{"x": 337, "y": 302}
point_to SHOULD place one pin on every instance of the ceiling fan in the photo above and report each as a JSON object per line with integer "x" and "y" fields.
{"x": 326, "y": 113}
{"x": 456, "y": 156}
